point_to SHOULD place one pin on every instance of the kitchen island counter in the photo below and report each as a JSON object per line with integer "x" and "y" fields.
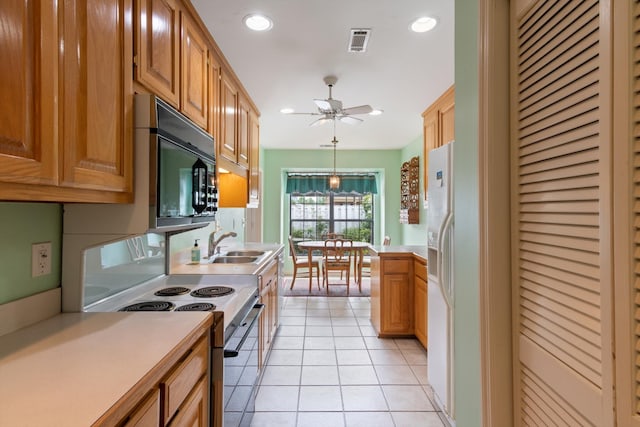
{"x": 79, "y": 369}
{"x": 418, "y": 251}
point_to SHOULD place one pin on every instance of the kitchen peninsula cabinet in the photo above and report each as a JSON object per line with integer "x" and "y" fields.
{"x": 66, "y": 133}
{"x": 117, "y": 369}
{"x": 398, "y": 291}
{"x": 420, "y": 296}
{"x": 392, "y": 295}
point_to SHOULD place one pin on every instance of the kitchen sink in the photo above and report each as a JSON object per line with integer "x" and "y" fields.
{"x": 234, "y": 259}
{"x": 246, "y": 253}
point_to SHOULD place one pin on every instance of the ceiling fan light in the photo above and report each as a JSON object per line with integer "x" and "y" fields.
{"x": 286, "y": 110}
{"x": 423, "y": 24}
{"x": 257, "y": 22}
{"x": 375, "y": 112}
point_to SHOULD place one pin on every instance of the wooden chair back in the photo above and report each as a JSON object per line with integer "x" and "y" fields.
{"x": 338, "y": 252}
{"x": 292, "y": 249}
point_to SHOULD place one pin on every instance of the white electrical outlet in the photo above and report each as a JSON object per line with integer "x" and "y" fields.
{"x": 40, "y": 259}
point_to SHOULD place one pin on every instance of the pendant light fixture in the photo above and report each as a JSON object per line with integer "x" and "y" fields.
{"x": 334, "y": 180}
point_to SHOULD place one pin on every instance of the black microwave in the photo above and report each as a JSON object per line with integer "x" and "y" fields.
{"x": 182, "y": 169}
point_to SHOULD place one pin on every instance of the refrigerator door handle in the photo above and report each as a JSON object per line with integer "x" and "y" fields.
{"x": 444, "y": 261}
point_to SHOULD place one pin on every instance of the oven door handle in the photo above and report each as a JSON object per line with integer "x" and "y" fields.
{"x": 236, "y": 351}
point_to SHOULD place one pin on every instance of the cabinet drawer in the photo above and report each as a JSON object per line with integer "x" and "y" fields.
{"x": 175, "y": 388}
{"x": 268, "y": 274}
{"x": 420, "y": 270}
{"x": 147, "y": 414}
{"x": 396, "y": 265}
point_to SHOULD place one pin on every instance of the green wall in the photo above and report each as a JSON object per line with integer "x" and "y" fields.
{"x": 466, "y": 221}
{"x": 277, "y": 162}
{"x": 415, "y": 234}
{"x": 21, "y": 225}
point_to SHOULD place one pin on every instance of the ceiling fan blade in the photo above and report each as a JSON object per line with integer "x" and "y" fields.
{"x": 305, "y": 114}
{"x": 321, "y": 121}
{"x": 360, "y": 109}
{"x": 350, "y": 120}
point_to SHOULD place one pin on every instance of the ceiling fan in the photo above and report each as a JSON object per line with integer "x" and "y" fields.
{"x": 331, "y": 109}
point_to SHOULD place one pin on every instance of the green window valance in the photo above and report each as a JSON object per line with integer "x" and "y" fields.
{"x": 319, "y": 183}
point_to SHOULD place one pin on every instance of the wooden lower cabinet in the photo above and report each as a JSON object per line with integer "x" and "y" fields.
{"x": 180, "y": 398}
{"x": 392, "y": 310}
{"x": 147, "y": 414}
{"x": 269, "y": 319}
{"x": 420, "y": 305}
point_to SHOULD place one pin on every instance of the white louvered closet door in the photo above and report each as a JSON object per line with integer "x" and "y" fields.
{"x": 561, "y": 213}
{"x": 626, "y": 136}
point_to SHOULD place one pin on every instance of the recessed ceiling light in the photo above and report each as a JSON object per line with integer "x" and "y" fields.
{"x": 286, "y": 110}
{"x": 423, "y": 24}
{"x": 375, "y": 112}
{"x": 257, "y": 22}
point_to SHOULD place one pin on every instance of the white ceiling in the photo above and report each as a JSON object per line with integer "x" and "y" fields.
{"x": 401, "y": 72}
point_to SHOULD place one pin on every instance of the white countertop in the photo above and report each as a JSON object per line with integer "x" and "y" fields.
{"x": 417, "y": 250}
{"x": 70, "y": 369}
{"x": 206, "y": 267}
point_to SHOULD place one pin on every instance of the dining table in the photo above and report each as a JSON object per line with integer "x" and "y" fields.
{"x": 319, "y": 245}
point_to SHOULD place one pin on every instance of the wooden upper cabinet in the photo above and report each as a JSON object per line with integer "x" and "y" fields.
{"x": 254, "y": 159}
{"x": 438, "y": 124}
{"x": 157, "y": 56}
{"x": 446, "y": 116}
{"x": 243, "y": 132}
{"x": 97, "y": 95}
{"x": 194, "y": 94}
{"x": 28, "y": 117}
{"x": 228, "y": 119}
{"x": 214, "y": 97}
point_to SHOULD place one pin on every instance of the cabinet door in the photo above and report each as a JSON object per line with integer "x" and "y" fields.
{"x": 264, "y": 335}
{"x": 157, "y": 56}
{"x": 447, "y": 122}
{"x": 214, "y": 98}
{"x": 430, "y": 133}
{"x": 194, "y": 411}
{"x": 97, "y": 95}
{"x": 243, "y": 132}
{"x": 420, "y": 310}
{"x": 254, "y": 159}
{"x": 397, "y": 304}
{"x": 28, "y": 118}
{"x": 147, "y": 414}
{"x": 228, "y": 119}
{"x": 194, "y": 91}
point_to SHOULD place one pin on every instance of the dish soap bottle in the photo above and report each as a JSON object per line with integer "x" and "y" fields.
{"x": 195, "y": 253}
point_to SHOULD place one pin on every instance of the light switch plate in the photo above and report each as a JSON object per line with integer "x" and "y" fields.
{"x": 40, "y": 259}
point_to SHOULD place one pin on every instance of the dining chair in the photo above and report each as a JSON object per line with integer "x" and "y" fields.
{"x": 337, "y": 256}
{"x": 365, "y": 261}
{"x": 303, "y": 262}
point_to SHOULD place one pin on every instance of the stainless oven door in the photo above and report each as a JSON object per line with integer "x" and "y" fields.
{"x": 241, "y": 370}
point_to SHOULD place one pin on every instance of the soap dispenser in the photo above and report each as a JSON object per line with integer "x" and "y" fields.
{"x": 195, "y": 253}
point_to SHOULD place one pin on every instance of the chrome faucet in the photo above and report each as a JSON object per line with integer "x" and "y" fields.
{"x": 214, "y": 243}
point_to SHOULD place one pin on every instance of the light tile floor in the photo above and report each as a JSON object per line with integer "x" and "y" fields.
{"x": 328, "y": 368}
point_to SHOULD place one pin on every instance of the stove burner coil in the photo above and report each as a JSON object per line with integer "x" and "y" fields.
{"x": 172, "y": 291}
{"x": 212, "y": 291}
{"x": 197, "y": 306}
{"x": 149, "y": 306}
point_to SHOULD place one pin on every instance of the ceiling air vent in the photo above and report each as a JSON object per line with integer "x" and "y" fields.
{"x": 359, "y": 39}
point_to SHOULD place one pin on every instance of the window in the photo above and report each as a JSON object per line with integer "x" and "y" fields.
{"x": 313, "y": 215}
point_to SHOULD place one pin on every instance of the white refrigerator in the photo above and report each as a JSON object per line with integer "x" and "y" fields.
{"x": 440, "y": 277}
